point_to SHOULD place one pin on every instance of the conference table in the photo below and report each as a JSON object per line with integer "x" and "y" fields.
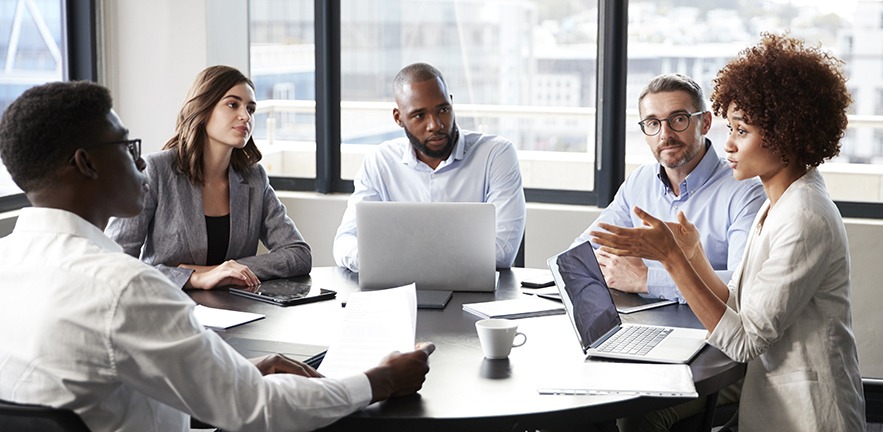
{"x": 463, "y": 390}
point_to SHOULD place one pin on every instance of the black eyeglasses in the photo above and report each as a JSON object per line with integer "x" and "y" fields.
{"x": 132, "y": 145}
{"x": 677, "y": 122}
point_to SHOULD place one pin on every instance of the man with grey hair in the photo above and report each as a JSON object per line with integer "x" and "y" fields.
{"x": 436, "y": 162}
{"x": 689, "y": 177}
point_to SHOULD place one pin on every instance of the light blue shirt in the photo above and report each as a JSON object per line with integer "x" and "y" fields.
{"x": 721, "y": 207}
{"x": 481, "y": 168}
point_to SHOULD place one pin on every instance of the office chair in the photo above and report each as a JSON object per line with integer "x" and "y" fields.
{"x": 519, "y": 256}
{"x": 21, "y": 418}
{"x": 873, "y": 389}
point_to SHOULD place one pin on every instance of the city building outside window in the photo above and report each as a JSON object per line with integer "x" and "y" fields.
{"x": 526, "y": 70}
{"x": 31, "y": 53}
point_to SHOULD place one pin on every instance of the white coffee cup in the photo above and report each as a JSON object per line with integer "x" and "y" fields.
{"x": 497, "y": 337}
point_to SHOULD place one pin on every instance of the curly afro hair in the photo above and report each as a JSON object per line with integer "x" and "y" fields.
{"x": 40, "y": 130}
{"x": 795, "y": 94}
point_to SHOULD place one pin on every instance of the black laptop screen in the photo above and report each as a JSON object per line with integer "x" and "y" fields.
{"x": 588, "y": 302}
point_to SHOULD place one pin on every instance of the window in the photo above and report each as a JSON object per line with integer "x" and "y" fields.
{"x": 283, "y": 70}
{"x": 526, "y": 69}
{"x": 31, "y": 53}
{"x": 698, "y": 40}
{"x": 521, "y": 69}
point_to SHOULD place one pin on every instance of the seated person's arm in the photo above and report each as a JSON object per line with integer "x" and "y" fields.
{"x": 346, "y": 247}
{"x": 289, "y": 255}
{"x": 200, "y": 371}
{"x": 506, "y": 193}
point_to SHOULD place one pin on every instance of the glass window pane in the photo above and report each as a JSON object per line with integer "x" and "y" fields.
{"x": 698, "y": 40}
{"x": 283, "y": 70}
{"x": 524, "y": 70}
{"x": 31, "y": 53}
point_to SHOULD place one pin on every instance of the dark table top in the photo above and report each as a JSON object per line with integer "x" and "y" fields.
{"x": 464, "y": 391}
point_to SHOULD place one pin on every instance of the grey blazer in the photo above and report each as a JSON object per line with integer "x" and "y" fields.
{"x": 171, "y": 228}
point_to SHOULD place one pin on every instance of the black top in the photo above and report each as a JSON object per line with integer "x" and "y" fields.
{"x": 218, "y": 233}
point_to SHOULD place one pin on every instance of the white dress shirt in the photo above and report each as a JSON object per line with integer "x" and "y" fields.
{"x": 720, "y": 206}
{"x": 481, "y": 168}
{"x": 89, "y": 328}
{"x": 790, "y": 319}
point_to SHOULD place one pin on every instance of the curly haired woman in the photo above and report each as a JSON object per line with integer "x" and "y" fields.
{"x": 786, "y": 312}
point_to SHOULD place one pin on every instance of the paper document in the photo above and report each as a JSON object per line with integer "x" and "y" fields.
{"x": 603, "y": 378}
{"x": 223, "y": 318}
{"x": 523, "y": 307}
{"x": 375, "y": 323}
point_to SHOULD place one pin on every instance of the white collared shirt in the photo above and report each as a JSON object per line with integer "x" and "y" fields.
{"x": 481, "y": 168}
{"x": 85, "y": 327}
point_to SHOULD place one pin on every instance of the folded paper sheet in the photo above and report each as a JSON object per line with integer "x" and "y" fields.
{"x": 222, "y": 318}
{"x": 603, "y": 378}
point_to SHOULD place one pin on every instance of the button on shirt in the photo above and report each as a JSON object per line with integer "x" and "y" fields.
{"x": 481, "y": 168}
{"x": 89, "y": 328}
{"x": 721, "y": 207}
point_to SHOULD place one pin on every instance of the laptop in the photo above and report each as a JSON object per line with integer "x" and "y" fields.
{"x": 438, "y": 246}
{"x": 600, "y": 331}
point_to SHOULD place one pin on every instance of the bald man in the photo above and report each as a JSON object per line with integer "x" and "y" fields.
{"x": 436, "y": 162}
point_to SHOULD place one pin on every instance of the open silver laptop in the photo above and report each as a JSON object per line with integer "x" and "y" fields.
{"x": 441, "y": 246}
{"x": 600, "y": 331}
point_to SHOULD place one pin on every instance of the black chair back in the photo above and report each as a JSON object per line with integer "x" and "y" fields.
{"x": 16, "y": 417}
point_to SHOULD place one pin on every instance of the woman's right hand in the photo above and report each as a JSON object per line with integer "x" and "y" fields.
{"x": 687, "y": 236}
{"x": 654, "y": 241}
{"x": 227, "y": 273}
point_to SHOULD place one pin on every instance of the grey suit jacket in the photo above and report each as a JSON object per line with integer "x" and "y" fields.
{"x": 171, "y": 228}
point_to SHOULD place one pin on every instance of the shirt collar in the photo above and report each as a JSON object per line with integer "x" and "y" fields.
{"x": 698, "y": 177}
{"x": 56, "y": 221}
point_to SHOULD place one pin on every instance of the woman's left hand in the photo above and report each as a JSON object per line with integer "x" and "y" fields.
{"x": 654, "y": 241}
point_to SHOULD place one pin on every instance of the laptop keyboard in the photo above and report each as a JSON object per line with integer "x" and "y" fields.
{"x": 637, "y": 340}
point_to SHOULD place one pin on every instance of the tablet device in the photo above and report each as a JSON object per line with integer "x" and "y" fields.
{"x": 284, "y": 292}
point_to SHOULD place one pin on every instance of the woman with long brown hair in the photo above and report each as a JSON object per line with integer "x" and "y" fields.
{"x": 210, "y": 202}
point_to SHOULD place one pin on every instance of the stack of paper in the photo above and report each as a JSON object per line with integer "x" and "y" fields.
{"x": 375, "y": 323}
{"x": 603, "y": 378}
{"x": 516, "y": 308}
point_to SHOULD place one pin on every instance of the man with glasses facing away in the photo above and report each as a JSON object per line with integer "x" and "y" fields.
{"x": 689, "y": 176}
{"x": 85, "y": 327}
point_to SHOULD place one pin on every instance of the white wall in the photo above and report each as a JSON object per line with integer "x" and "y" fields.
{"x": 153, "y": 51}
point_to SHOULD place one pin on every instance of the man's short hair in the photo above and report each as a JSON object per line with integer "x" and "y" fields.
{"x": 675, "y": 82}
{"x": 42, "y": 128}
{"x": 416, "y": 72}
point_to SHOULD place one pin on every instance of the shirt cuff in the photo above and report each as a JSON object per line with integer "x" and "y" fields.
{"x": 359, "y": 388}
{"x": 725, "y": 331}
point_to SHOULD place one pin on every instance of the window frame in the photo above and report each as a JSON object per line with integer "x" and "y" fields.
{"x": 81, "y": 63}
{"x": 610, "y": 120}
